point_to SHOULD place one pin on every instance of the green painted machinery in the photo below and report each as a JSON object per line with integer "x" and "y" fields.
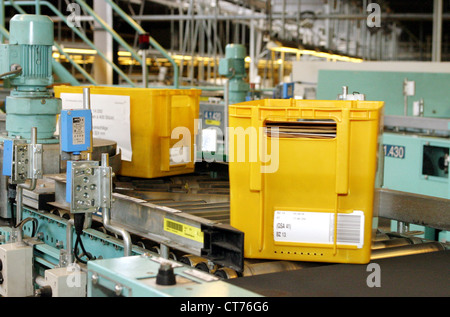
{"x": 26, "y": 67}
{"x": 416, "y": 143}
{"x": 233, "y": 67}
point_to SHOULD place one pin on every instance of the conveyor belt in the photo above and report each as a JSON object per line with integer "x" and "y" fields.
{"x": 187, "y": 213}
{"x": 191, "y": 214}
{"x": 420, "y": 275}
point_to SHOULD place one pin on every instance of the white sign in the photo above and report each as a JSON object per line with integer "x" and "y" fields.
{"x": 209, "y": 140}
{"x": 110, "y": 118}
{"x": 409, "y": 88}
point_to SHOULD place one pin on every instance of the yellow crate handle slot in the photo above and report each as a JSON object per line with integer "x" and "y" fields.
{"x": 261, "y": 222}
{"x": 255, "y": 172}
{"x": 342, "y": 153}
{"x": 165, "y": 134}
{"x": 166, "y": 130}
{"x": 255, "y": 166}
{"x": 336, "y": 209}
{"x": 342, "y": 166}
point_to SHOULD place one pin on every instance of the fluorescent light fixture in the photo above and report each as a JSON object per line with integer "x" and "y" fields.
{"x": 182, "y": 57}
{"x": 124, "y": 53}
{"x": 79, "y": 51}
{"x": 328, "y": 56}
{"x": 331, "y": 56}
{"x": 285, "y": 49}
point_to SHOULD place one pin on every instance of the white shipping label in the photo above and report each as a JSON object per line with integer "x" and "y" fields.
{"x": 318, "y": 227}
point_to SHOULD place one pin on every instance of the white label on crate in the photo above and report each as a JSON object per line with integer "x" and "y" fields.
{"x": 78, "y": 133}
{"x": 318, "y": 227}
{"x": 179, "y": 155}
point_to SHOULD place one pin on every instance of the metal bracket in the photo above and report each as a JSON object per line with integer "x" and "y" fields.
{"x": 91, "y": 187}
{"x": 26, "y": 161}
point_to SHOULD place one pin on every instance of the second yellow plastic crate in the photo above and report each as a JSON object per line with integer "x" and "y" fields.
{"x": 156, "y": 116}
{"x": 302, "y": 177}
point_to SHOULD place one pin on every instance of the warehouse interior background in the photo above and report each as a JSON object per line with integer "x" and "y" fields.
{"x": 195, "y": 34}
{"x": 117, "y": 155}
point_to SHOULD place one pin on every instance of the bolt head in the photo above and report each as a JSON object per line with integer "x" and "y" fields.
{"x": 94, "y": 278}
{"x": 118, "y": 289}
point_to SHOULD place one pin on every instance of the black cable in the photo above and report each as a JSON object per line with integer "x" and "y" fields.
{"x": 78, "y": 224}
{"x": 78, "y": 221}
{"x": 12, "y": 206}
{"x": 33, "y": 220}
{"x": 33, "y": 232}
{"x": 12, "y": 201}
{"x": 17, "y": 71}
{"x": 75, "y": 251}
{"x": 84, "y": 252}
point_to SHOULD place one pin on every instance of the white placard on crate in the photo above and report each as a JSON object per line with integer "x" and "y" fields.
{"x": 110, "y": 118}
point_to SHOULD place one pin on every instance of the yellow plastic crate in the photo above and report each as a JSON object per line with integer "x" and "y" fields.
{"x": 297, "y": 166}
{"x": 154, "y": 115}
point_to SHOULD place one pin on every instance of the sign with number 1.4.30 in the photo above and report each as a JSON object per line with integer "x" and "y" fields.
{"x": 395, "y": 151}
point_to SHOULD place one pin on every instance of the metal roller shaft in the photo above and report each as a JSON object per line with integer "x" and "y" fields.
{"x": 192, "y": 260}
{"x": 396, "y": 242}
{"x": 259, "y": 268}
{"x": 251, "y": 269}
{"x": 407, "y": 250}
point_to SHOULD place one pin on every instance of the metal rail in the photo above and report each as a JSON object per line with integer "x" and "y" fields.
{"x": 154, "y": 43}
{"x": 115, "y": 36}
{"x": 418, "y": 209}
{"x": 422, "y": 123}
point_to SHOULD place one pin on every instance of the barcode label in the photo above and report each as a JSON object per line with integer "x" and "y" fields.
{"x": 349, "y": 229}
{"x": 174, "y": 226}
{"x": 318, "y": 227}
{"x": 183, "y": 230}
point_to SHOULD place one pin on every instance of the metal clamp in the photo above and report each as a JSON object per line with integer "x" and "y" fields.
{"x": 91, "y": 186}
{"x": 25, "y": 160}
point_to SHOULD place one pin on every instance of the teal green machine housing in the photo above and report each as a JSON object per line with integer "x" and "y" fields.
{"x": 233, "y": 67}
{"x": 26, "y": 63}
{"x": 416, "y": 159}
{"x": 26, "y": 68}
{"x": 212, "y": 138}
{"x": 388, "y": 87}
